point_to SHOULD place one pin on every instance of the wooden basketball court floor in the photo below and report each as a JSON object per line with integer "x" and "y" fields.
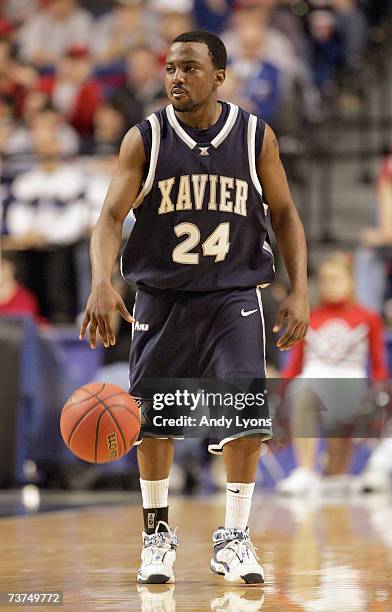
{"x": 323, "y": 556}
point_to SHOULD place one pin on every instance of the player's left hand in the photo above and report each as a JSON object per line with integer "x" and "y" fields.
{"x": 294, "y": 312}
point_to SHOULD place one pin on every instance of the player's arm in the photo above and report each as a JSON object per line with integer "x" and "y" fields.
{"x": 290, "y": 236}
{"x": 105, "y": 244}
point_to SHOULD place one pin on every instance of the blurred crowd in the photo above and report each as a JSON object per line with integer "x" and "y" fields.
{"x": 99, "y": 65}
{"x": 76, "y": 75}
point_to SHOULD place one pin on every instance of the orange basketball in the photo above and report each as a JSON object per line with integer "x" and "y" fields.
{"x": 100, "y": 422}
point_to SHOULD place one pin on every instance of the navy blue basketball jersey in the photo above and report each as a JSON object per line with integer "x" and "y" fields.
{"x": 200, "y": 215}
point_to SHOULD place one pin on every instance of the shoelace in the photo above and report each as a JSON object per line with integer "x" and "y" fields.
{"x": 155, "y": 542}
{"x": 222, "y": 534}
{"x": 237, "y": 552}
{"x": 155, "y": 551}
{"x": 161, "y": 538}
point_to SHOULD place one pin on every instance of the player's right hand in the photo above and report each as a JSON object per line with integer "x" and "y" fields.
{"x": 102, "y": 303}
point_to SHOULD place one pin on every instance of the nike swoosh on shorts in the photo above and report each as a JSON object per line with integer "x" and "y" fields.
{"x": 246, "y": 313}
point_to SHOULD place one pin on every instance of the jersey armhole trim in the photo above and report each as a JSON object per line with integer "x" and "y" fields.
{"x": 155, "y": 145}
{"x": 252, "y": 124}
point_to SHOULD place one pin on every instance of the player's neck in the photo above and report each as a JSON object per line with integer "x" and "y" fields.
{"x": 203, "y": 117}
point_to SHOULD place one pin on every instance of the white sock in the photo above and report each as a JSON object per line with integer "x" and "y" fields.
{"x": 154, "y": 493}
{"x": 238, "y": 503}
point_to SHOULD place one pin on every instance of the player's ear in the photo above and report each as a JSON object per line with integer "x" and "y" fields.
{"x": 220, "y": 76}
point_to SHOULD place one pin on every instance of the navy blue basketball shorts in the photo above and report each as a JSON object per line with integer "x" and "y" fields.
{"x": 199, "y": 336}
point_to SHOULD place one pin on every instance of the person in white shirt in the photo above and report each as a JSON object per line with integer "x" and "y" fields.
{"x": 61, "y": 24}
{"x": 48, "y": 207}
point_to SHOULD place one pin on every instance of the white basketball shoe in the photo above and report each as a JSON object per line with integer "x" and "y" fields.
{"x": 158, "y": 556}
{"x": 235, "y": 557}
{"x": 299, "y": 482}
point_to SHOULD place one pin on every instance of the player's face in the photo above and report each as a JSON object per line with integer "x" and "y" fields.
{"x": 191, "y": 77}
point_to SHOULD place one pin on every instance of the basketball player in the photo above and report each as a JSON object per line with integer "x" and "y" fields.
{"x": 197, "y": 175}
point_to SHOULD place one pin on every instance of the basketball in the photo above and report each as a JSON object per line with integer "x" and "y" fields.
{"x": 100, "y": 422}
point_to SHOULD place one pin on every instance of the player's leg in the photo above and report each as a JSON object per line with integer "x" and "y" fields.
{"x": 239, "y": 356}
{"x": 155, "y": 457}
{"x": 159, "y": 317}
{"x": 234, "y": 554}
{"x": 241, "y": 459}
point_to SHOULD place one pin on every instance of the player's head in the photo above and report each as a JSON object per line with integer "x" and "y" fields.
{"x": 335, "y": 279}
{"x": 195, "y": 68}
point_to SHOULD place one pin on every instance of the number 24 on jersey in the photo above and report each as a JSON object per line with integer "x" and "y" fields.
{"x": 216, "y": 245}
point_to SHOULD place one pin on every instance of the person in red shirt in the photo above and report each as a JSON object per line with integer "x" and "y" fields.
{"x": 14, "y": 298}
{"x": 344, "y": 340}
{"x": 72, "y": 89}
{"x": 16, "y": 79}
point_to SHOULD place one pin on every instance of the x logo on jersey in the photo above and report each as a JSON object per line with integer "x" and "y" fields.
{"x": 203, "y": 150}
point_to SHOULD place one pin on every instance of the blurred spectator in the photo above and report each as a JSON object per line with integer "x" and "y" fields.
{"x": 284, "y": 19}
{"x": 72, "y": 89}
{"x": 19, "y": 142}
{"x": 51, "y": 31}
{"x": 60, "y": 69}
{"x": 173, "y": 18}
{"x": 18, "y": 11}
{"x": 375, "y": 253}
{"x": 343, "y": 338}
{"x": 109, "y": 127}
{"x": 280, "y": 81}
{"x": 351, "y": 27}
{"x": 6, "y": 28}
{"x": 260, "y": 79}
{"x": 315, "y": 357}
{"x": 6, "y": 125}
{"x": 15, "y": 79}
{"x": 14, "y": 298}
{"x": 118, "y": 31}
{"x": 212, "y": 15}
{"x": 325, "y": 50}
{"x": 34, "y": 102}
{"x": 171, "y": 6}
{"x": 45, "y": 219}
{"x": 98, "y": 171}
{"x": 144, "y": 89}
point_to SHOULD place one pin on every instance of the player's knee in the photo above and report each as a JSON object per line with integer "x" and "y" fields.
{"x": 244, "y": 444}
{"x": 156, "y": 443}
